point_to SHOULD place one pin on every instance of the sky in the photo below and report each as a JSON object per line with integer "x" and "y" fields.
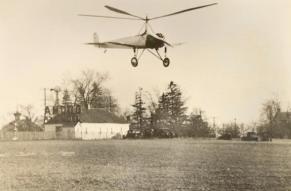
{"x": 235, "y": 55}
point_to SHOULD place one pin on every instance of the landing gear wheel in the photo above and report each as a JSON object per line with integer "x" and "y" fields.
{"x": 166, "y": 62}
{"x": 134, "y": 62}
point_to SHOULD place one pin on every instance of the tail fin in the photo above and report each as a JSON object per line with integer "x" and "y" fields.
{"x": 95, "y": 38}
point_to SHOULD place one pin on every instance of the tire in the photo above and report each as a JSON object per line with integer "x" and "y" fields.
{"x": 134, "y": 62}
{"x": 166, "y": 62}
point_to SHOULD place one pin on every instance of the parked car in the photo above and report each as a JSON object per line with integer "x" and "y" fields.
{"x": 134, "y": 133}
{"x": 226, "y": 136}
{"x": 251, "y": 136}
{"x": 165, "y": 133}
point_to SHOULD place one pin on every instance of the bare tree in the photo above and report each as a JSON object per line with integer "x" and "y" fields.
{"x": 109, "y": 102}
{"x": 28, "y": 113}
{"x": 271, "y": 108}
{"x": 32, "y": 121}
{"x": 88, "y": 87}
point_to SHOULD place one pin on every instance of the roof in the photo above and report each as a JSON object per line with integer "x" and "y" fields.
{"x": 100, "y": 116}
{"x": 102, "y": 125}
{"x": 22, "y": 125}
{"x": 63, "y": 119}
{"x": 89, "y": 116}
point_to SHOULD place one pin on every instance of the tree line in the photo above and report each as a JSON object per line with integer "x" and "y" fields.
{"x": 167, "y": 116}
{"x": 88, "y": 91}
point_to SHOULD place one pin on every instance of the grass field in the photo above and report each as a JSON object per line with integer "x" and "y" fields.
{"x": 169, "y": 164}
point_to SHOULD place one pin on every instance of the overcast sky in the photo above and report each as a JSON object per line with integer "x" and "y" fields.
{"x": 236, "y": 55}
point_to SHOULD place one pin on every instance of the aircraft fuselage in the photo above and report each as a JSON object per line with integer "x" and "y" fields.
{"x": 142, "y": 41}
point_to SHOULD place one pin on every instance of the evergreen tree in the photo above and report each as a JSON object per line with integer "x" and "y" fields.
{"x": 162, "y": 116}
{"x": 66, "y": 98}
{"x": 231, "y": 129}
{"x": 176, "y": 105}
{"x": 171, "y": 107}
{"x": 198, "y": 127}
{"x": 138, "y": 116}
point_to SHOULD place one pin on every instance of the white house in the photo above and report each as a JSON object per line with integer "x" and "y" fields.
{"x": 99, "y": 124}
{"x": 92, "y": 131}
{"x": 92, "y": 124}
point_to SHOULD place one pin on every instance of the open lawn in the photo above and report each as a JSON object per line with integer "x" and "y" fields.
{"x": 168, "y": 164}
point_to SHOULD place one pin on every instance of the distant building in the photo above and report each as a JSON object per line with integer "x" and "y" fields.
{"x": 61, "y": 120}
{"x": 21, "y": 124}
{"x": 279, "y": 128}
{"x": 283, "y": 117}
{"x": 100, "y": 124}
{"x": 282, "y": 126}
{"x": 88, "y": 124}
{"x": 94, "y": 131}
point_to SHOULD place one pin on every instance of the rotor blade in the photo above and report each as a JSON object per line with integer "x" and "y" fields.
{"x": 122, "y": 12}
{"x": 108, "y": 17}
{"x": 186, "y": 10}
{"x": 178, "y": 44}
{"x": 168, "y": 44}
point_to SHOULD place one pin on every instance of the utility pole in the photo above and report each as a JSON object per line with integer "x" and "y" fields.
{"x": 110, "y": 104}
{"x": 44, "y": 115}
{"x": 255, "y": 127}
{"x": 214, "y": 126}
{"x": 140, "y": 106}
{"x": 214, "y": 122}
{"x": 56, "y": 90}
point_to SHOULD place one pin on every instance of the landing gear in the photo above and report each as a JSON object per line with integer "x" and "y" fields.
{"x": 166, "y": 62}
{"x": 134, "y": 62}
{"x": 137, "y": 56}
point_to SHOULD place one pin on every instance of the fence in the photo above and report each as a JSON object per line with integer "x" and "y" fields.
{"x": 37, "y": 135}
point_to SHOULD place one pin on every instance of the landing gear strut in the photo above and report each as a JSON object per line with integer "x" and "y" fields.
{"x": 134, "y": 60}
{"x": 166, "y": 60}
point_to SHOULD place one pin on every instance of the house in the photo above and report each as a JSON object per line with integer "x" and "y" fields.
{"x": 21, "y": 124}
{"x": 94, "y": 131}
{"x": 279, "y": 128}
{"x": 61, "y": 126}
{"x": 99, "y": 124}
{"x": 282, "y": 125}
{"x": 283, "y": 117}
{"x": 88, "y": 124}
{"x": 21, "y": 128}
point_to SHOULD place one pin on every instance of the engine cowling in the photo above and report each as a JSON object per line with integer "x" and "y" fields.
{"x": 160, "y": 35}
